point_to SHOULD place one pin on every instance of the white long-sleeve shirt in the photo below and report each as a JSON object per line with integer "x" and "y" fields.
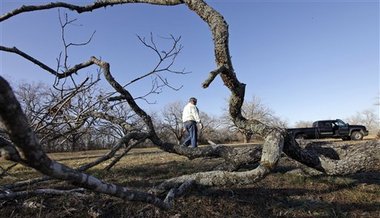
{"x": 190, "y": 112}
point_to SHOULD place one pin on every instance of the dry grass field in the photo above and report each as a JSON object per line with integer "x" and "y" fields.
{"x": 287, "y": 192}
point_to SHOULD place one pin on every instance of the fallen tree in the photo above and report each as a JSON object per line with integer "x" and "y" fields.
{"x": 24, "y": 147}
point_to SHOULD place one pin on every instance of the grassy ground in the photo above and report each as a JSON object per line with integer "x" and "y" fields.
{"x": 285, "y": 193}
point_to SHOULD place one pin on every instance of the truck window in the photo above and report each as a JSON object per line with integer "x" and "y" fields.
{"x": 325, "y": 125}
{"x": 340, "y": 123}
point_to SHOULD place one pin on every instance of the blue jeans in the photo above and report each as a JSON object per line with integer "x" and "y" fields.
{"x": 192, "y": 130}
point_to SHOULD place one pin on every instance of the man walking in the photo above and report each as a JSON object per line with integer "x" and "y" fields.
{"x": 190, "y": 118}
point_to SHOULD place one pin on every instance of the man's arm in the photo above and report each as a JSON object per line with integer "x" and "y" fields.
{"x": 195, "y": 113}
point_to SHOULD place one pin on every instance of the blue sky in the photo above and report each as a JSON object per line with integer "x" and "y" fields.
{"x": 305, "y": 59}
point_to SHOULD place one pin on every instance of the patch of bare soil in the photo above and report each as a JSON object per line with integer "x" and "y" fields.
{"x": 292, "y": 190}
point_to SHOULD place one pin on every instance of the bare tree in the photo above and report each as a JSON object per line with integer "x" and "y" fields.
{"x": 211, "y": 128}
{"x": 26, "y": 149}
{"x": 303, "y": 124}
{"x": 172, "y": 120}
{"x": 254, "y": 110}
{"x": 59, "y": 117}
{"x": 366, "y": 117}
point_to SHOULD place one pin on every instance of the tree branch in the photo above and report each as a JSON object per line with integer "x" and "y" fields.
{"x": 82, "y": 9}
{"x": 213, "y": 74}
{"x": 32, "y": 155}
{"x": 30, "y": 193}
{"x": 67, "y": 73}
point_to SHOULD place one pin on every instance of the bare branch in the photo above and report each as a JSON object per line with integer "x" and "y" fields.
{"x": 64, "y": 23}
{"x": 67, "y": 73}
{"x": 127, "y": 149}
{"x": 51, "y": 192}
{"x": 8, "y": 151}
{"x": 171, "y": 53}
{"x": 25, "y": 140}
{"x": 213, "y": 75}
{"x": 5, "y": 171}
{"x": 82, "y": 9}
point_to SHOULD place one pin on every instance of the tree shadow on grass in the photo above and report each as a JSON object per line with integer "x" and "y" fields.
{"x": 367, "y": 177}
{"x": 284, "y": 202}
{"x": 150, "y": 174}
{"x": 318, "y": 148}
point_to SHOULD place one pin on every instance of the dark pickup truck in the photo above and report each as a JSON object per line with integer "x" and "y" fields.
{"x": 330, "y": 129}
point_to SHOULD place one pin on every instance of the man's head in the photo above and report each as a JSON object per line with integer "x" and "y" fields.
{"x": 193, "y": 100}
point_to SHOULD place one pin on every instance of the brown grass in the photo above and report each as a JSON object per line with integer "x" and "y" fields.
{"x": 284, "y": 193}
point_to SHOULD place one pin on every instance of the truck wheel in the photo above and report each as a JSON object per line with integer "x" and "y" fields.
{"x": 356, "y": 135}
